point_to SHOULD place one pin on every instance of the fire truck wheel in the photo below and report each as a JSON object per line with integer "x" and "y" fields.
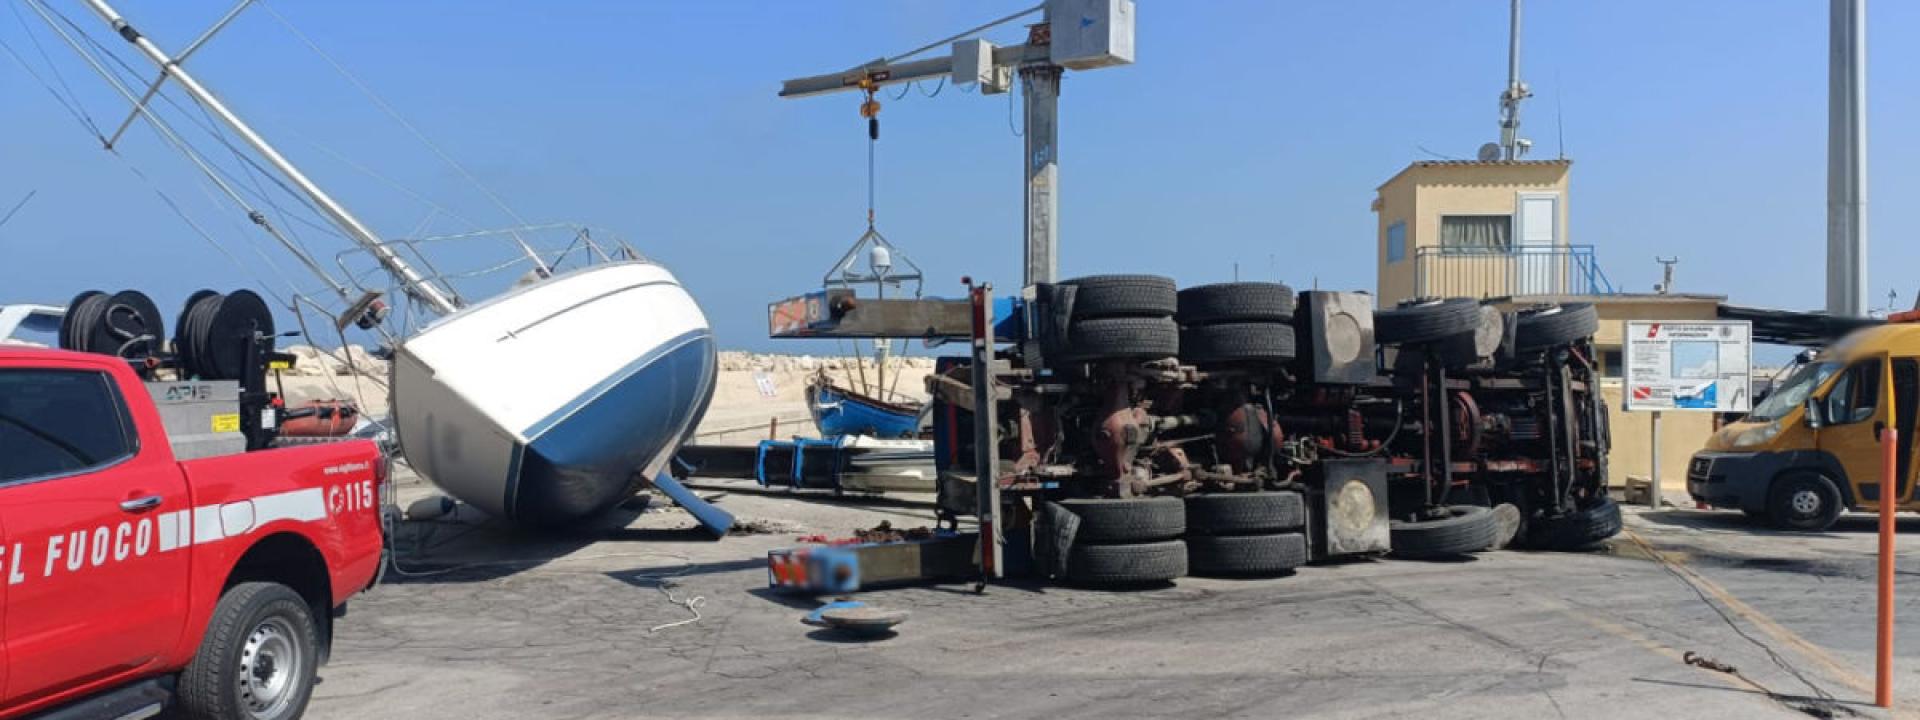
{"x": 1245, "y": 513}
{"x": 1426, "y": 321}
{"x": 1105, "y": 296}
{"x": 257, "y": 660}
{"x": 1583, "y": 528}
{"x": 1123, "y": 338}
{"x": 1126, "y": 520}
{"x": 1245, "y": 342}
{"x": 1130, "y": 564}
{"x": 1463, "y": 529}
{"x": 1246, "y": 555}
{"x": 1236, "y": 302}
{"x": 1555, "y": 325}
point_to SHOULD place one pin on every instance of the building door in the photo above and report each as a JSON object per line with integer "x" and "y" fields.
{"x": 1536, "y": 219}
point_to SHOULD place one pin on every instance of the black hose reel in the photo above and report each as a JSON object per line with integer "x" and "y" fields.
{"x": 125, "y": 324}
{"x": 215, "y": 336}
{"x": 219, "y": 336}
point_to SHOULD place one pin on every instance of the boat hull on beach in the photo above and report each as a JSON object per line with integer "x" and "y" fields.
{"x": 552, "y": 403}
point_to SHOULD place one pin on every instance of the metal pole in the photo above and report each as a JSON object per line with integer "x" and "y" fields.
{"x": 1653, "y": 479}
{"x": 1883, "y": 642}
{"x": 1040, "y": 85}
{"x": 418, "y": 286}
{"x": 1510, "y": 100}
{"x": 986, "y": 434}
{"x": 1847, "y": 159}
{"x": 1889, "y": 497}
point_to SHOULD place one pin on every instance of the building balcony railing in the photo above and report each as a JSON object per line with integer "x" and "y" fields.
{"x": 1504, "y": 272}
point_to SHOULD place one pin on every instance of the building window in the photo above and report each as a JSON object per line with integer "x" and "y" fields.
{"x": 1397, "y": 242}
{"x": 1610, "y": 363}
{"x": 1476, "y": 233}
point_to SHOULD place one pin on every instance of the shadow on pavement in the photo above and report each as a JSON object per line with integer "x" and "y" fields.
{"x": 474, "y": 549}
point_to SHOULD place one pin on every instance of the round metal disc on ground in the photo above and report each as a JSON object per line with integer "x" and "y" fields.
{"x": 81, "y": 311}
{"x": 866, "y": 619}
{"x": 241, "y": 314}
{"x": 131, "y": 326}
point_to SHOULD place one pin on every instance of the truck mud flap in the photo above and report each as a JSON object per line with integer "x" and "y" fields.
{"x": 711, "y": 517}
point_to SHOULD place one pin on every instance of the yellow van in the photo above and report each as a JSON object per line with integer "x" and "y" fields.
{"x": 1811, "y": 448}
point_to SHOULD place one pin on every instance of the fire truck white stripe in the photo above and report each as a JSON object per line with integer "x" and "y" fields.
{"x": 305, "y": 505}
{"x": 169, "y": 530}
{"x": 206, "y": 524}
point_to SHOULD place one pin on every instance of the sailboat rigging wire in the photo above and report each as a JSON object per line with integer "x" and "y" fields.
{"x": 202, "y": 232}
{"x": 76, "y": 108}
{"x": 16, "y": 207}
{"x": 206, "y": 124}
{"x": 167, "y": 133}
{"x": 389, "y": 182}
{"x": 411, "y": 128}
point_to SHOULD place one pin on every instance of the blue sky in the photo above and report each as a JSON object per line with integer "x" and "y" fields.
{"x": 1249, "y": 132}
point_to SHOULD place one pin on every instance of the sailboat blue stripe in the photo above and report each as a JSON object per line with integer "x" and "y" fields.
{"x": 534, "y": 431}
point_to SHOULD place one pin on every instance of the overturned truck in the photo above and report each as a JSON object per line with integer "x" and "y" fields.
{"x": 1141, "y": 433}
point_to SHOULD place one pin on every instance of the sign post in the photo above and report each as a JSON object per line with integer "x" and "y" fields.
{"x": 1653, "y": 478}
{"x": 1686, "y": 366}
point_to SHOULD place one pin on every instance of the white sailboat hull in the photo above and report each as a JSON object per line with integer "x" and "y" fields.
{"x": 547, "y": 404}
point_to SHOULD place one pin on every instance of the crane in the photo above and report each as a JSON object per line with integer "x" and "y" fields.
{"x": 1071, "y": 35}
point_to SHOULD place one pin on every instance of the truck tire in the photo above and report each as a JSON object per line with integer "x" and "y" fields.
{"x": 1241, "y": 342}
{"x": 1803, "y": 501}
{"x": 1236, "y": 302}
{"x": 1127, "y": 520}
{"x": 1583, "y": 528}
{"x": 1555, "y": 325}
{"x": 1128, "y": 564}
{"x": 1109, "y": 296}
{"x": 1123, "y": 338}
{"x": 1426, "y": 321}
{"x": 257, "y": 660}
{"x": 1245, "y": 513}
{"x": 1246, "y": 555}
{"x": 1465, "y": 529}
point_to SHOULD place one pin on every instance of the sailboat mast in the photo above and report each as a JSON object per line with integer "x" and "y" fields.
{"x": 418, "y": 286}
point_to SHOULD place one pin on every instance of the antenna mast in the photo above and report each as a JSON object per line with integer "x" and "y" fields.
{"x": 1512, "y": 146}
{"x": 418, "y": 286}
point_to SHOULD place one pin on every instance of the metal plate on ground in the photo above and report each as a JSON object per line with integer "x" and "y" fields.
{"x": 866, "y": 618}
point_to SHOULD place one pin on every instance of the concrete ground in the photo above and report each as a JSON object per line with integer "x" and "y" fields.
{"x": 579, "y": 628}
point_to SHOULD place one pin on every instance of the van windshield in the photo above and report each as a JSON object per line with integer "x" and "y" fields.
{"x": 1793, "y": 391}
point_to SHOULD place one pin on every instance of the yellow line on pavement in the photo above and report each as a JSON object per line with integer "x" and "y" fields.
{"x": 1834, "y": 666}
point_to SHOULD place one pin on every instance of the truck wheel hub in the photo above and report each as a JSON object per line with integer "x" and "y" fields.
{"x": 268, "y": 665}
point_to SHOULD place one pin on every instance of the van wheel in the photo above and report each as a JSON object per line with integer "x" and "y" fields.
{"x": 1803, "y": 501}
{"x": 257, "y": 660}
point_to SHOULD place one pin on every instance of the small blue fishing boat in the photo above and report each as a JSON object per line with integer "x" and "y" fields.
{"x": 838, "y": 411}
